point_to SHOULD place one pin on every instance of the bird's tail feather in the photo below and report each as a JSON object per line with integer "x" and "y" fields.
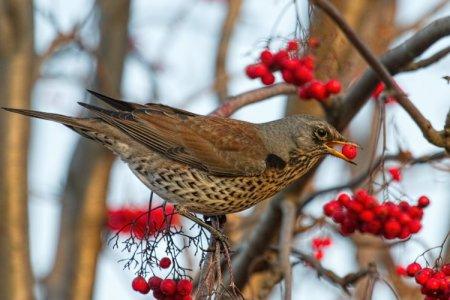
{"x": 66, "y": 120}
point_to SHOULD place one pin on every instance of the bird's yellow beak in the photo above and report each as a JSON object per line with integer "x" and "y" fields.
{"x": 329, "y": 147}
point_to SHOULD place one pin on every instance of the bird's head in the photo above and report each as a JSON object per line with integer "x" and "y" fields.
{"x": 316, "y": 137}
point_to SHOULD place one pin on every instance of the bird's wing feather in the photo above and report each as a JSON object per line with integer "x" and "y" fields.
{"x": 220, "y": 146}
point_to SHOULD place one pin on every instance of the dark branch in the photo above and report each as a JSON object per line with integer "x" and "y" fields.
{"x": 426, "y": 61}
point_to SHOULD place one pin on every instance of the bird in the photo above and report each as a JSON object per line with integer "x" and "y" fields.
{"x": 204, "y": 164}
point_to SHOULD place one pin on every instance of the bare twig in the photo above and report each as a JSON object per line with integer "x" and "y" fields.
{"x": 344, "y": 282}
{"x": 234, "y": 7}
{"x": 432, "y": 135}
{"x": 427, "y": 61}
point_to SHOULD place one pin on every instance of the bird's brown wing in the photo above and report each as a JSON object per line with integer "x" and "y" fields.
{"x": 220, "y": 146}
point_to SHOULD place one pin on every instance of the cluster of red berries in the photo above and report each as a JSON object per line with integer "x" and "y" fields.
{"x": 319, "y": 244}
{"x": 168, "y": 289}
{"x": 364, "y": 213}
{"x": 140, "y": 221}
{"x": 435, "y": 282}
{"x": 295, "y": 70}
{"x": 164, "y": 288}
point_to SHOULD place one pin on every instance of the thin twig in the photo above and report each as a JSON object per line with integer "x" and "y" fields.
{"x": 427, "y": 61}
{"x": 234, "y": 7}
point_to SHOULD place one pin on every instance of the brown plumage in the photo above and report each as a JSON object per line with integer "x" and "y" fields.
{"x": 205, "y": 164}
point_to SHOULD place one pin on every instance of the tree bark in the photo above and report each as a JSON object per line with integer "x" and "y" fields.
{"x": 16, "y": 63}
{"x": 84, "y": 209}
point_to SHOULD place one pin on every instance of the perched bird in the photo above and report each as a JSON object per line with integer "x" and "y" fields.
{"x": 205, "y": 164}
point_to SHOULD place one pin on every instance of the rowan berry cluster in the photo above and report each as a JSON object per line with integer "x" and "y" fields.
{"x": 167, "y": 289}
{"x": 365, "y": 214}
{"x": 319, "y": 244}
{"x": 294, "y": 69}
{"x": 435, "y": 282}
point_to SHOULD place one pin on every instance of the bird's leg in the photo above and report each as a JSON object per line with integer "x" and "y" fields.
{"x": 216, "y": 233}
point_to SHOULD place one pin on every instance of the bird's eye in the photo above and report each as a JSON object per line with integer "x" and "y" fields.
{"x": 321, "y": 133}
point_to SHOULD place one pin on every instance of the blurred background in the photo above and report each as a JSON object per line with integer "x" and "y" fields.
{"x": 56, "y": 187}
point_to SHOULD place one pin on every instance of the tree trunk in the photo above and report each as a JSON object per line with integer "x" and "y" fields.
{"x": 16, "y": 63}
{"x": 83, "y": 213}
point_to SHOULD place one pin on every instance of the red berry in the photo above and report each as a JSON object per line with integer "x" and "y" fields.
{"x": 313, "y": 42}
{"x": 268, "y": 78}
{"x": 394, "y": 211}
{"x": 316, "y": 243}
{"x": 333, "y": 86}
{"x": 349, "y": 151}
{"x": 330, "y": 208}
{"x": 446, "y": 269}
{"x": 318, "y": 255}
{"x": 140, "y": 285}
{"x": 432, "y": 284}
{"x": 395, "y": 174}
{"x": 326, "y": 241}
{"x": 439, "y": 275}
{"x": 374, "y": 227}
{"x": 344, "y": 198}
{"x": 404, "y": 206}
{"x": 404, "y": 219}
{"x": 290, "y": 64}
{"x": 266, "y": 58}
{"x": 339, "y": 216}
{"x": 423, "y": 201}
{"x": 165, "y": 262}
{"x": 157, "y": 294}
{"x": 413, "y": 268}
{"x": 308, "y": 61}
{"x": 400, "y": 271}
{"x": 378, "y": 90}
{"x": 423, "y": 275}
{"x": 303, "y": 75}
{"x": 405, "y": 233}
{"x": 416, "y": 212}
{"x": 391, "y": 229}
{"x": 303, "y": 93}
{"x": 381, "y": 211}
{"x": 154, "y": 282}
{"x": 280, "y": 56}
{"x": 318, "y": 91}
{"x": 414, "y": 226}
{"x": 256, "y": 70}
{"x": 292, "y": 45}
{"x": 287, "y": 76}
{"x": 184, "y": 287}
{"x": 168, "y": 287}
{"x": 366, "y": 216}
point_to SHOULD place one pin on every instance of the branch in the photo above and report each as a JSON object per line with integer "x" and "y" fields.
{"x": 433, "y": 136}
{"x": 234, "y": 7}
{"x": 344, "y": 282}
{"x": 427, "y": 61}
{"x": 236, "y": 102}
{"x": 285, "y": 244}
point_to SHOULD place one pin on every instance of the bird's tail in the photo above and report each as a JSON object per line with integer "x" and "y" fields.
{"x": 71, "y": 122}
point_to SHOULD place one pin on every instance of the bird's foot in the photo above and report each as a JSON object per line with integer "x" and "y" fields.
{"x": 218, "y": 235}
